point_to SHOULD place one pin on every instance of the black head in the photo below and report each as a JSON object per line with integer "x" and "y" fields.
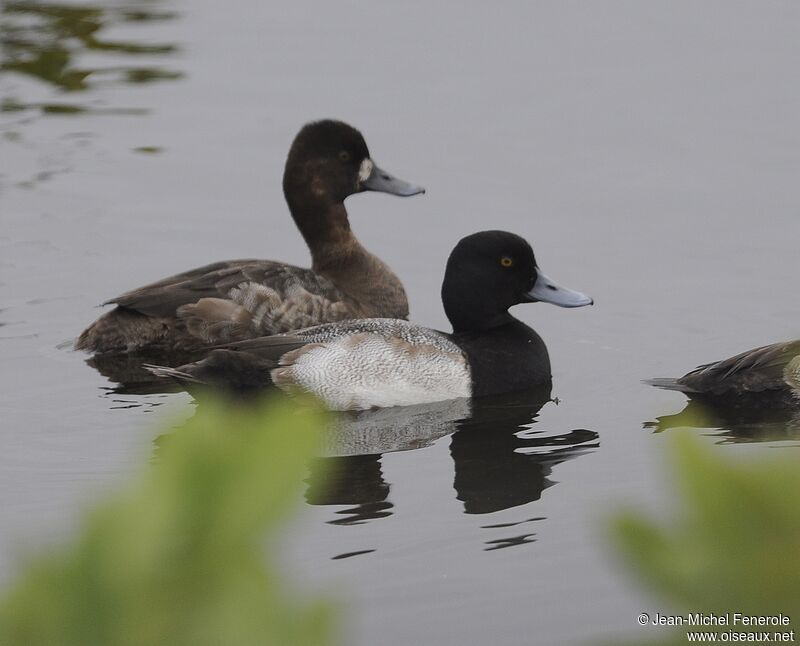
{"x": 489, "y": 272}
{"x": 329, "y": 160}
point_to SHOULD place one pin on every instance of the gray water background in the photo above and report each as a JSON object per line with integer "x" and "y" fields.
{"x": 649, "y": 151}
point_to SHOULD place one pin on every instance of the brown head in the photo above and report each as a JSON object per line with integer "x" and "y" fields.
{"x": 329, "y": 161}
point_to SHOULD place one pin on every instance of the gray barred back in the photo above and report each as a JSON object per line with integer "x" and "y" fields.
{"x": 388, "y": 328}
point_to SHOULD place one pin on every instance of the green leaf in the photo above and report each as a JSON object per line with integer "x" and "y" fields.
{"x": 178, "y": 558}
{"x": 733, "y": 545}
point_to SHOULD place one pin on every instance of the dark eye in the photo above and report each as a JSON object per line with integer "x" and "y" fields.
{"x": 344, "y": 156}
{"x": 506, "y": 261}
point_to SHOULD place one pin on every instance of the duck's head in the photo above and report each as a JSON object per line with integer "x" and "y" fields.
{"x": 489, "y": 272}
{"x": 330, "y": 159}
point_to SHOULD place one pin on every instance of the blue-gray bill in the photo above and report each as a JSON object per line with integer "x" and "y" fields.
{"x": 380, "y": 180}
{"x": 547, "y": 291}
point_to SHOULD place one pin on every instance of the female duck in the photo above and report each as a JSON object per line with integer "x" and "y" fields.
{"x": 768, "y": 376}
{"x": 240, "y": 299}
{"x": 361, "y": 364}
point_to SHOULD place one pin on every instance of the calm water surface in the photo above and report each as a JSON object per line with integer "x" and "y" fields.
{"x": 650, "y": 151}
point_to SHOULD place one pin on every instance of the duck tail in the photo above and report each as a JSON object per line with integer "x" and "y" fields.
{"x": 123, "y": 330}
{"x": 227, "y": 372}
{"x": 166, "y": 372}
{"x": 667, "y": 383}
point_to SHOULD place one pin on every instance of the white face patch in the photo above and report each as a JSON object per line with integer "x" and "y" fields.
{"x": 365, "y": 170}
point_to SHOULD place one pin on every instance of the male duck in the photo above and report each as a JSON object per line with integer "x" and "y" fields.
{"x": 360, "y": 364}
{"x": 240, "y": 299}
{"x": 769, "y": 375}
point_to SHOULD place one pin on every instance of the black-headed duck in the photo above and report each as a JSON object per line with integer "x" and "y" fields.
{"x": 769, "y": 375}
{"x": 361, "y": 364}
{"x": 239, "y": 299}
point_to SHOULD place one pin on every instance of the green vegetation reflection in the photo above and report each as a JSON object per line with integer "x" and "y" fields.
{"x": 178, "y": 558}
{"x": 733, "y": 545}
{"x": 43, "y": 40}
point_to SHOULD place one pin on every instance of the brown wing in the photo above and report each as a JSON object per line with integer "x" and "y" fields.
{"x": 753, "y": 371}
{"x": 271, "y": 302}
{"x": 218, "y": 303}
{"x": 164, "y": 297}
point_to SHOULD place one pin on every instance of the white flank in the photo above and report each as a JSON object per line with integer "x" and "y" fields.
{"x": 365, "y": 371}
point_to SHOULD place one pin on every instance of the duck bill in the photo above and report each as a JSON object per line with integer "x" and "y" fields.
{"x": 374, "y": 178}
{"x": 547, "y": 291}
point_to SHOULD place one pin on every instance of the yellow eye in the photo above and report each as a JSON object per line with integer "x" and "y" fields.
{"x": 344, "y": 155}
{"x": 506, "y": 261}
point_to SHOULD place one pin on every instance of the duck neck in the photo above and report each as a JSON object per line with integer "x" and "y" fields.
{"x": 476, "y": 322}
{"x": 507, "y": 357}
{"x": 321, "y": 219}
{"x": 466, "y": 313}
{"x": 372, "y": 288}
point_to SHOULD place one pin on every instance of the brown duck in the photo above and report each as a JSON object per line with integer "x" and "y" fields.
{"x": 769, "y": 375}
{"x": 239, "y": 299}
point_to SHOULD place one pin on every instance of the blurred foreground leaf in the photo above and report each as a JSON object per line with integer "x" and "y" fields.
{"x": 179, "y": 557}
{"x": 734, "y": 543}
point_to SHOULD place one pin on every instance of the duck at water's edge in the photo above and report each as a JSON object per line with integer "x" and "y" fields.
{"x": 240, "y": 299}
{"x": 368, "y": 363}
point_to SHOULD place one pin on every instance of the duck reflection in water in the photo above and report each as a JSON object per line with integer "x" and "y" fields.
{"x": 355, "y": 481}
{"x": 734, "y": 423}
{"x": 752, "y": 396}
{"x": 355, "y": 444}
{"x": 499, "y": 461}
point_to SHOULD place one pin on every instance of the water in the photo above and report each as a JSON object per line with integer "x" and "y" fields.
{"x": 649, "y": 151}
